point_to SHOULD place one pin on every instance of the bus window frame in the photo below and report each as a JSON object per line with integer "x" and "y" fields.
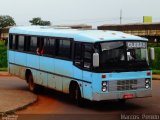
{"x": 79, "y": 66}
{"x": 34, "y": 53}
{"x": 15, "y": 47}
{"x": 22, "y": 48}
{"x": 82, "y": 55}
{"x": 44, "y": 45}
{"x": 57, "y": 48}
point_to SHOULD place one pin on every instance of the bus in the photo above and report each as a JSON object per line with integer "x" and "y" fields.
{"x": 96, "y": 65}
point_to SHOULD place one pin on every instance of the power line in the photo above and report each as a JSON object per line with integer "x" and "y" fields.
{"x": 121, "y": 16}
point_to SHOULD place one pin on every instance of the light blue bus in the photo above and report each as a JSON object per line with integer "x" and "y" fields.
{"x": 87, "y": 64}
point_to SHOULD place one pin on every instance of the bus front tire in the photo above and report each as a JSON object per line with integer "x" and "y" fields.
{"x": 75, "y": 95}
{"x": 122, "y": 101}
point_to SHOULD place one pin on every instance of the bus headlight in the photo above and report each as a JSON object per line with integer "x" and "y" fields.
{"x": 147, "y": 86}
{"x": 104, "y": 83}
{"x": 147, "y": 83}
{"x": 104, "y": 86}
{"x": 104, "y": 89}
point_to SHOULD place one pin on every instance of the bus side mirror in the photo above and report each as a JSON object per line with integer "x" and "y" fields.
{"x": 95, "y": 60}
{"x": 152, "y": 54}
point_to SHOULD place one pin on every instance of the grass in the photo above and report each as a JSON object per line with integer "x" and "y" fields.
{"x": 156, "y": 72}
{"x": 3, "y": 69}
{"x": 153, "y": 44}
{"x": 156, "y": 62}
{"x": 3, "y": 56}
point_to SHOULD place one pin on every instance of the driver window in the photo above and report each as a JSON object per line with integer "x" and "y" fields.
{"x": 83, "y": 55}
{"x": 78, "y": 54}
{"x": 87, "y": 57}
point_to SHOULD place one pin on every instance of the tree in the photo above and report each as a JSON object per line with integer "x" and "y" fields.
{"x": 39, "y": 21}
{"x": 6, "y": 20}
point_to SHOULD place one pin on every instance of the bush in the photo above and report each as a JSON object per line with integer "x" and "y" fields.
{"x": 3, "y": 55}
{"x": 156, "y": 72}
{"x": 156, "y": 62}
{"x": 153, "y": 44}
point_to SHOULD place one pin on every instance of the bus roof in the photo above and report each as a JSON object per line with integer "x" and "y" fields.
{"x": 76, "y": 34}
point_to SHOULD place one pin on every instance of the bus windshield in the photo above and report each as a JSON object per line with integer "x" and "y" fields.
{"x": 123, "y": 56}
{"x": 137, "y": 53}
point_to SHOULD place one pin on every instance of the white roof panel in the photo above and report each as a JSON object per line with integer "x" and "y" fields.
{"x": 76, "y": 34}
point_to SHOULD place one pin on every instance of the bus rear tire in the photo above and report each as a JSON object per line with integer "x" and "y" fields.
{"x": 32, "y": 86}
{"x": 75, "y": 95}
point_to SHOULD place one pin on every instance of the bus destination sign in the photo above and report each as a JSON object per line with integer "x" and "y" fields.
{"x": 131, "y": 45}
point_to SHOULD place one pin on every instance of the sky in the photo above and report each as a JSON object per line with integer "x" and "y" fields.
{"x": 92, "y": 12}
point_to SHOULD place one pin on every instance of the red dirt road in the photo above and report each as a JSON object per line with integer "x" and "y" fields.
{"x": 55, "y": 103}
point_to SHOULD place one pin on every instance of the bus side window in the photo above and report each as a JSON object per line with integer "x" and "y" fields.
{"x": 15, "y": 43}
{"x": 20, "y": 43}
{"x": 27, "y": 43}
{"x": 64, "y": 49}
{"x": 33, "y": 44}
{"x": 87, "y": 56}
{"x": 78, "y": 54}
{"x": 49, "y": 46}
{"x": 10, "y": 41}
{"x": 40, "y": 46}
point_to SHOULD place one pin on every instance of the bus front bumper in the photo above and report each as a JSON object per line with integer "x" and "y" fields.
{"x": 121, "y": 95}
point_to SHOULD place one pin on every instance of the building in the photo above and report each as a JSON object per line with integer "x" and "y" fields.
{"x": 148, "y": 30}
{"x": 4, "y": 33}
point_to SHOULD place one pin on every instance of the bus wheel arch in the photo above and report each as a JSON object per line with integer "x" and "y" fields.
{"x": 33, "y": 87}
{"x": 75, "y": 93}
{"x": 27, "y": 74}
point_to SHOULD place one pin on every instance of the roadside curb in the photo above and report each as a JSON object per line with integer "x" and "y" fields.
{"x": 20, "y": 107}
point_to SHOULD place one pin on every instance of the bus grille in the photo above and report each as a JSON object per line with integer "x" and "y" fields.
{"x": 122, "y": 85}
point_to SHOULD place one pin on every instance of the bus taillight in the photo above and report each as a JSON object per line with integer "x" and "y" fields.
{"x": 103, "y": 76}
{"x": 148, "y": 73}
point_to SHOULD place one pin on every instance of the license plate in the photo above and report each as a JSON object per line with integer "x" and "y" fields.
{"x": 128, "y": 96}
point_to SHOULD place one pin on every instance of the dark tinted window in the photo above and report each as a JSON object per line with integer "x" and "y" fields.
{"x": 64, "y": 49}
{"x": 20, "y": 43}
{"x": 87, "y": 56}
{"x": 78, "y": 54}
{"x": 13, "y": 42}
{"x": 49, "y": 46}
{"x": 33, "y": 44}
{"x": 27, "y": 43}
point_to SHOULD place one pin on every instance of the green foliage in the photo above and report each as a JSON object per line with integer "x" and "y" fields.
{"x": 39, "y": 21}
{"x": 3, "y": 69}
{"x": 156, "y": 62}
{"x": 6, "y": 20}
{"x": 3, "y": 55}
{"x": 153, "y": 44}
{"x": 155, "y": 71}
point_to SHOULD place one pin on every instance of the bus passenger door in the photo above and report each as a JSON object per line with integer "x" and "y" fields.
{"x": 78, "y": 61}
{"x": 87, "y": 74}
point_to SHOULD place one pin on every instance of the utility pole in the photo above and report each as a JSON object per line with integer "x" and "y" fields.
{"x": 121, "y": 16}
